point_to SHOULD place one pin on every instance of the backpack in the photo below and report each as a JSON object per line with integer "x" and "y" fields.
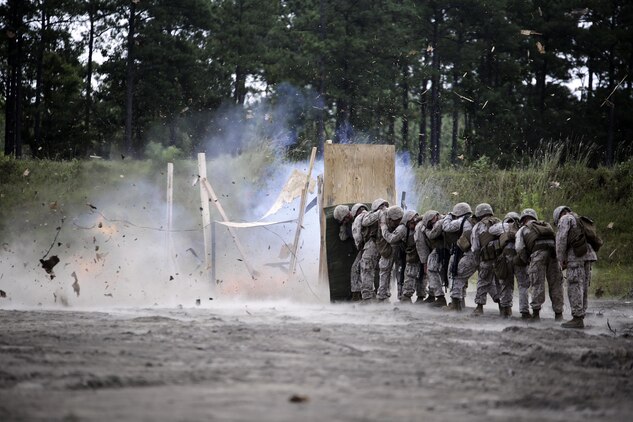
{"x": 589, "y": 233}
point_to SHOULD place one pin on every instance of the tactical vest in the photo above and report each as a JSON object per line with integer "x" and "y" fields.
{"x": 369, "y": 232}
{"x": 489, "y": 249}
{"x": 538, "y": 231}
{"x": 464, "y": 239}
{"x": 508, "y": 236}
{"x": 410, "y": 249}
{"x": 436, "y": 243}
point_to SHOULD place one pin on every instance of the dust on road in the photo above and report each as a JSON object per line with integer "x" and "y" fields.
{"x": 284, "y": 361}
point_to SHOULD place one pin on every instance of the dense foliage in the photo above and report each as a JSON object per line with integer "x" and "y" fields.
{"x": 443, "y": 80}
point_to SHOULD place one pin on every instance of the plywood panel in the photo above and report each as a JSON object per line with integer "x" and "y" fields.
{"x": 358, "y": 173}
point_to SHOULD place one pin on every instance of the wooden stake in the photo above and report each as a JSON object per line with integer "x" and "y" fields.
{"x": 170, "y": 207}
{"x": 218, "y": 205}
{"x": 304, "y": 195}
{"x": 204, "y": 206}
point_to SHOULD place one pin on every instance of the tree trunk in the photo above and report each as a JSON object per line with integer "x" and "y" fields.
{"x": 129, "y": 88}
{"x": 404, "y": 130}
{"x": 13, "y": 106}
{"x": 608, "y": 159}
{"x": 455, "y": 121}
{"x": 37, "y": 123}
{"x": 321, "y": 86}
{"x": 435, "y": 93}
{"x": 91, "y": 33}
{"x": 422, "y": 144}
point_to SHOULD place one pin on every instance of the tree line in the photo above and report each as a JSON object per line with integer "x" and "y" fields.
{"x": 446, "y": 80}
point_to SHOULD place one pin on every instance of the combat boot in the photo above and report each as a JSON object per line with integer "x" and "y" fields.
{"x": 508, "y": 311}
{"x": 576, "y": 322}
{"x": 356, "y": 297}
{"x": 429, "y": 299}
{"x": 535, "y": 315}
{"x": 558, "y": 316}
{"x": 526, "y": 315}
{"x": 405, "y": 299}
{"x": 479, "y": 310}
{"x": 455, "y": 305}
{"x": 439, "y": 303}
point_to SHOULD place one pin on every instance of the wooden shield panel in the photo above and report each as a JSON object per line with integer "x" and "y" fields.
{"x": 351, "y": 174}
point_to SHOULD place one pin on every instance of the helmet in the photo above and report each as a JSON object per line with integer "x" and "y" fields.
{"x": 528, "y": 212}
{"x": 461, "y": 209}
{"x": 558, "y": 211}
{"x": 408, "y": 216}
{"x": 483, "y": 210}
{"x": 357, "y": 208}
{"x": 512, "y": 216}
{"x": 340, "y": 212}
{"x": 428, "y": 216}
{"x": 394, "y": 212}
{"x": 377, "y": 203}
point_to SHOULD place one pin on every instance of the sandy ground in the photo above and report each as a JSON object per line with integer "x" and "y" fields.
{"x": 284, "y": 361}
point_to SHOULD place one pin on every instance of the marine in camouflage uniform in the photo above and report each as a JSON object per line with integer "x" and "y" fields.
{"x": 355, "y": 279}
{"x": 457, "y": 227}
{"x": 392, "y": 235}
{"x": 506, "y": 270}
{"x": 429, "y": 240}
{"x": 484, "y": 245}
{"x": 404, "y": 235}
{"x": 369, "y": 225}
{"x": 576, "y": 256}
{"x": 539, "y": 251}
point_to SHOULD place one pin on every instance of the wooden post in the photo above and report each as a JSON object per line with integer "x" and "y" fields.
{"x": 204, "y": 206}
{"x": 218, "y": 205}
{"x": 170, "y": 206}
{"x": 304, "y": 195}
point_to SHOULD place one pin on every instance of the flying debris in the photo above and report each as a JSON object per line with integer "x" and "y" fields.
{"x": 49, "y": 264}
{"x": 75, "y": 284}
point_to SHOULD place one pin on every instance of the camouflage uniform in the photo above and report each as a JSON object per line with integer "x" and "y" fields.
{"x": 467, "y": 265}
{"x": 355, "y": 279}
{"x": 424, "y": 250}
{"x": 486, "y": 274}
{"x": 412, "y": 260}
{"x": 578, "y": 268}
{"x": 431, "y": 244}
{"x": 542, "y": 265}
{"x": 394, "y": 237}
{"x": 367, "y": 224}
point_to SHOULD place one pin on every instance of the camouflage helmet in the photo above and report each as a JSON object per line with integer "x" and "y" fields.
{"x": 512, "y": 216}
{"x": 394, "y": 212}
{"x": 428, "y": 216}
{"x": 482, "y": 210}
{"x": 460, "y": 209}
{"x": 528, "y": 212}
{"x": 377, "y": 203}
{"x": 340, "y": 212}
{"x": 357, "y": 208}
{"x": 558, "y": 211}
{"x": 408, "y": 216}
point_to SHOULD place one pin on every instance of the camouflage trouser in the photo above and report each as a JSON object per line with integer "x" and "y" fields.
{"x": 543, "y": 265}
{"x": 421, "y": 283}
{"x": 523, "y": 281}
{"x": 466, "y": 267}
{"x": 486, "y": 283}
{"x": 368, "y": 267}
{"x": 355, "y": 275}
{"x": 384, "y": 288}
{"x": 506, "y": 285}
{"x": 411, "y": 273}
{"x": 434, "y": 266}
{"x": 578, "y": 279}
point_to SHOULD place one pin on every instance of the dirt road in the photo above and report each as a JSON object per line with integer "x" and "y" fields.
{"x": 283, "y": 361}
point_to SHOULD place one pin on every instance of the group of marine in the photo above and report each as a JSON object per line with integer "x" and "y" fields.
{"x": 432, "y": 250}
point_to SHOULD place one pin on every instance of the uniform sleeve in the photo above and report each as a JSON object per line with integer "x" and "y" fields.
{"x": 562, "y": 235}
{"x": 371, "y": 218}
{"x": 357, "y": 231}
{"x": 421, "y": 244}
{"x": 342, "y": 232}
{"x": 497, "y": 229}
{"x": 519, "y": 244}
{"x": 449, "y": 225}
{"x": 474, "y": 237}
{"x": 435, "y": 231}
{"x": 396, "y": 236}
